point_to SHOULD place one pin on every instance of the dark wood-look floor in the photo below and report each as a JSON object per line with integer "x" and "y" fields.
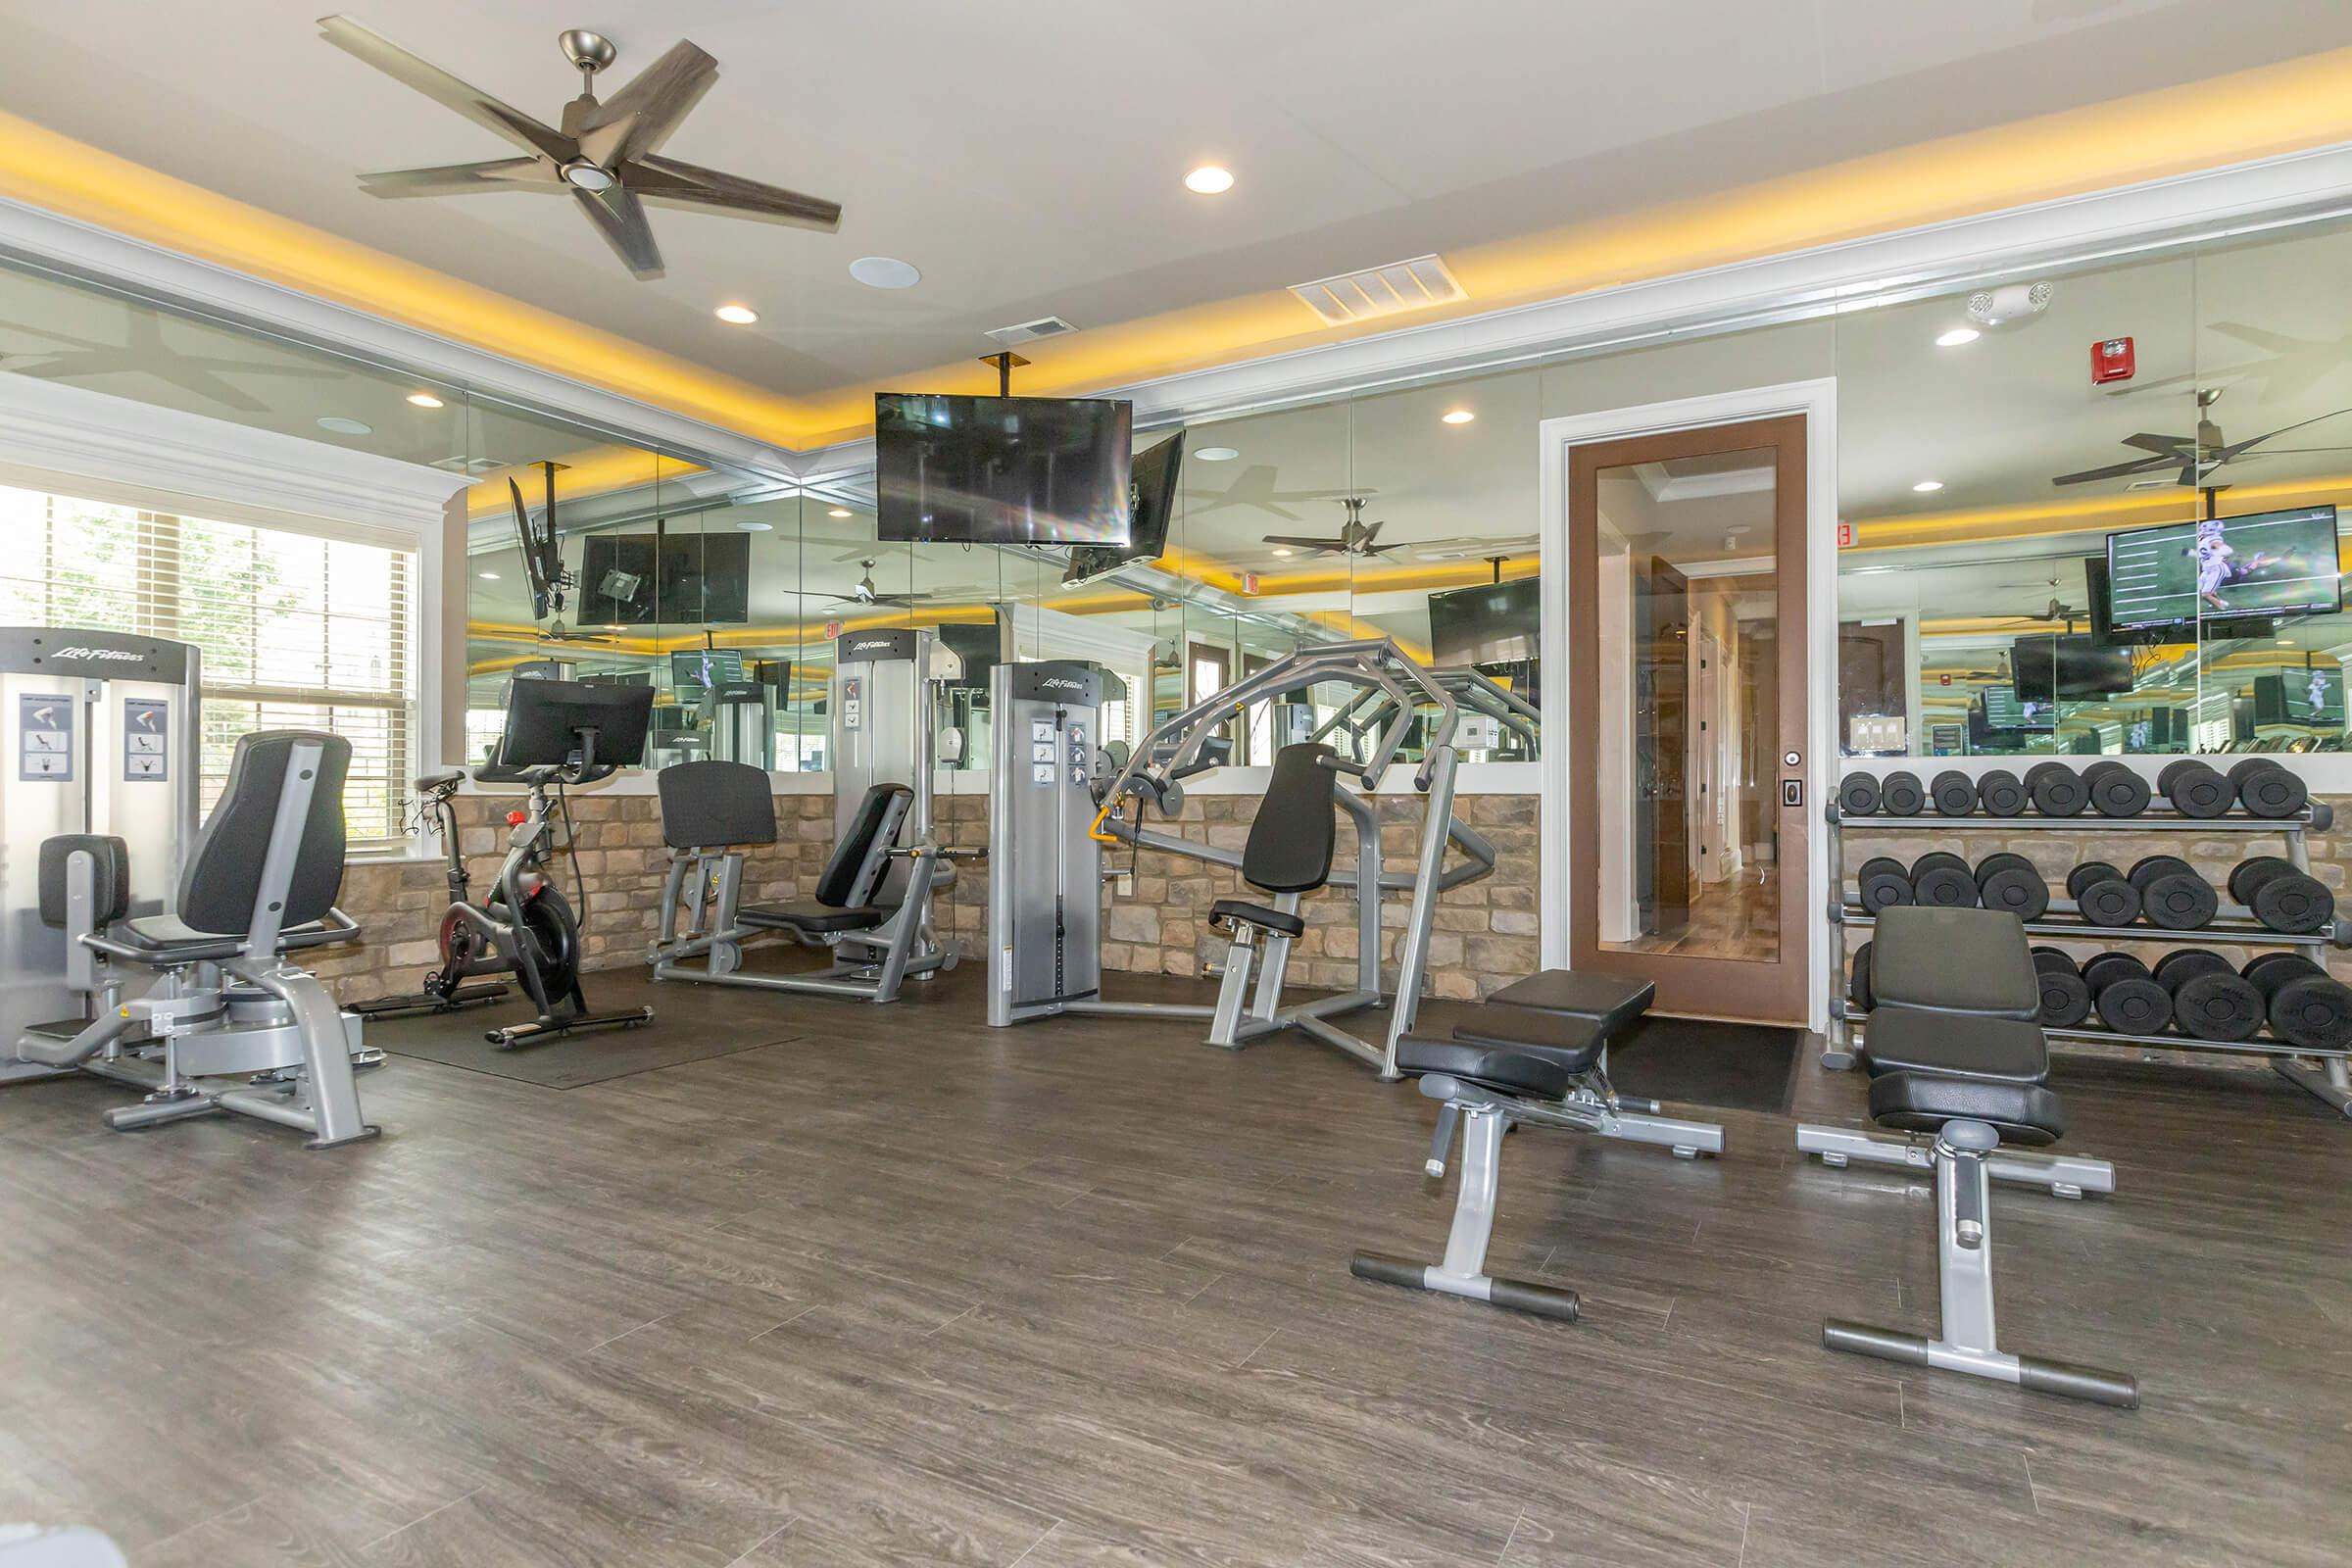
{"x": 909, "y": 1289}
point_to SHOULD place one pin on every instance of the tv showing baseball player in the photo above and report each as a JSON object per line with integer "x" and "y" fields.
{"x": 2314, "y": 696}
{"x": 2264, "y": 564}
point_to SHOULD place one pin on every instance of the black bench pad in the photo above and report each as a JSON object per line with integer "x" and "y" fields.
{"x": 2026, "y": 1114}
{"x": 1611, "y": 1000}
{"x": 1264, "y": 916}
{"x": 817, "y": 919}
{"x": 1572, "y": 1043}
{"x": 1508, "y": 1070}
{"x": 1953, "y": 960}
{"x": 1989, "y": 1049}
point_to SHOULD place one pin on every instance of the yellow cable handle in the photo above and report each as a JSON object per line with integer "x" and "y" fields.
{"x": 1094, "y": 829}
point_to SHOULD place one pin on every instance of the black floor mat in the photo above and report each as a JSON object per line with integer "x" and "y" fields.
{"x": 1696, "y": 1062}
{"x": 683, "y": 1029}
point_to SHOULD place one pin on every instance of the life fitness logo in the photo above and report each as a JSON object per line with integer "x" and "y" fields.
{"x": 111, "y": 655}
{"x": 883, "y": 646}
{"x": 1057, "y": 683}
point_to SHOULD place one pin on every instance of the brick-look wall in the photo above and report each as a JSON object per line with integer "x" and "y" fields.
{"x": 1483, "y": 934}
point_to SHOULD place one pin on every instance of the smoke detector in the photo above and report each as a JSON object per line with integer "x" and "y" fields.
{"x": 1030, "y": 332}
{"x": 2009, "y": 305}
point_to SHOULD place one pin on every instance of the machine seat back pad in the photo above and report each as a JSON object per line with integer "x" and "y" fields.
{"x": 1264, "y": 916}
{"x": 1573, "y": 1042}
{"x": 1990, "y": 1050}
{"x": 1953, "y": 960}
{"x": 1611, "y": 1000}
{"x": 1505, "y": 1069}
{"x": 2026, "y": 1114}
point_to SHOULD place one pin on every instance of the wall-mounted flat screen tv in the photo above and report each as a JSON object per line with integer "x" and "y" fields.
{"x": 676, "y": 579}
{"x": 2005, "y": 710}
{"x": 2314, "y": 696}
{"x": 2267, "y": 564}
{"x": 1150, "y": 501}
{"x": 705, "y": 668}
{"x": 1002, "y": 470}
{"x": 2067, "y": 669}
{"x": 1492, "y": 623}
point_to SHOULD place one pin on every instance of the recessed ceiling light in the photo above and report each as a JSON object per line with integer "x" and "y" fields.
{"x": 838, "y": 511}
{"x": 424, "y": 399}
{"x": 1282, "y": 550}
{"x": 1216, "y": 454}
{"x": 736, "y": 314}
{"x": 1927, "y": 486}
{"x": 1209, "y": 180}
{"x": 1459, "y": 416}
{"x": 489, "y": 576}
{"x": 885, "y": 272}
{"x": 1957, "y": 336}
{"x": 754, "y": 525}
{"x": 342, "y": 427}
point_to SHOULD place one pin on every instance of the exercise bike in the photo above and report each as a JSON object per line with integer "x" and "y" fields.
{"x": 434, "y": 809}
{"x": 558, "y": 733}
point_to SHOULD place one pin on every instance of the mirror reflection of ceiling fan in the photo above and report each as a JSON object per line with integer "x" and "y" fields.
{"x": 1355, "y": 537}
{"x": 865, "y": 593}
{"x": 143, "y": 352}
{"x": 2200, "y": 455}
{"x": 605, "y": 156}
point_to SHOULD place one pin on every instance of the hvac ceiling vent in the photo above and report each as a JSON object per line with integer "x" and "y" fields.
{"x": 1031, "y": 331}
{"x": 1377, "y": 291}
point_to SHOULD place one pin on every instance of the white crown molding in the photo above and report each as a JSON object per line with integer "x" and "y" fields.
{"x": 137, "y": 453}
{"x": 50, "y": 242}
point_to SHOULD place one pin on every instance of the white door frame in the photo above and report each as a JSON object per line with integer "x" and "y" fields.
{"x": 1817, "y": 401}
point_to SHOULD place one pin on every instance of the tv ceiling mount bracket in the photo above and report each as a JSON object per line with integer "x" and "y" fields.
{"x": 1005, "y": 364}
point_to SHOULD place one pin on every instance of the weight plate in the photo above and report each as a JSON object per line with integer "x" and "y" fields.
{"x": 2218, "y": 1007}
{"x": 2134, "y": 1007}
{"x": 1952, "y": 795}
{"x": 1901, "y": 795}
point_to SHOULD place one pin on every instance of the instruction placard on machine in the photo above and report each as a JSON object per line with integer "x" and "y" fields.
{"x": 44, "y": 737}
{"x": 146, "y": 736}
{"x": 852, "y": 702}
{"x": 1043, "y": 751}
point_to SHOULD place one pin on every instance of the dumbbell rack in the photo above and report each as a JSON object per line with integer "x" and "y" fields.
{"x": 2331, "y": 1078}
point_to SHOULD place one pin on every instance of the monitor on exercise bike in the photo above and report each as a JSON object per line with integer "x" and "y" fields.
{"x": 549, "y": 722}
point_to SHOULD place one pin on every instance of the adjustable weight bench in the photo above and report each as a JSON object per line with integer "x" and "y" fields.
{"x": 1538, "y": 1051}
{"x": 1973, "y": 1084}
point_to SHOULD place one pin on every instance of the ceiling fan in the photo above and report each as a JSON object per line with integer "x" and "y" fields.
{"x": 2196, "y": 456}
{"x": 1355, "y": 537}
{"x": 865, "y": 593}
{"x": 605, "y": 155}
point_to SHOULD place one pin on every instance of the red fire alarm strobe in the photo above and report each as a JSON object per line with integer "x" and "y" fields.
{"x": 2111, "y": 360}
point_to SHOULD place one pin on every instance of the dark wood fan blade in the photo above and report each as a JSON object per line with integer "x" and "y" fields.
{"x": 636, "y": 121}
{"x": 620, "y": 219}
{"x": 1300, "y": 542}
{"x": 666, "y": 180}
{"x": 459, "y": 179}
{"x": 2116, "y": 471}
{"x": 423, "y": 77}
{"x": 2168, "y": 446}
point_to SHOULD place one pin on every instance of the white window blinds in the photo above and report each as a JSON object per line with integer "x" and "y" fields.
{"x": 297, "y": 632}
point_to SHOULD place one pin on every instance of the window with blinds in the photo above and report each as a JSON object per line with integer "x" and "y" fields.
{"x": 297, "y": 632}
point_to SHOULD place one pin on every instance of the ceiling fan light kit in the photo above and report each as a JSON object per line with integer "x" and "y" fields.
{"x": 605, "y": 155}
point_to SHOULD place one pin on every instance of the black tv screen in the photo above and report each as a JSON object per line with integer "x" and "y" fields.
{"x": 677, "y": 579}
{"x": 1002, "y": 470}
{"x": 2005, "y": 710}
{"x": 705, "y": 666}
{"x": 2067, "y": 669}
{"x": 1492, "y": 623}
{"x": 2314, "y": 696}
{"x": 2264, "y": 565}
{"x": 1151, "y": 505}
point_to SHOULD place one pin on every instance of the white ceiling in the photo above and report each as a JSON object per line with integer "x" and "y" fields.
{"x": 1027, "y": 158}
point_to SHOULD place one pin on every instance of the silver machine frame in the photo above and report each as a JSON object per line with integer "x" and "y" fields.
{"x": 1035, "y": 897}
{"x": 256, "y": 1015}
{"x": 1367, "y": 713}
{"x": 880, "y": 708}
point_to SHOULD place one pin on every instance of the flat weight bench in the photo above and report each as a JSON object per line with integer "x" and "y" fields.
{"x": 1540, "y": 1057}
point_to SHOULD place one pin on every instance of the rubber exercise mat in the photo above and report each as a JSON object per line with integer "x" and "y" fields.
{"x": 1696, "y": 1062}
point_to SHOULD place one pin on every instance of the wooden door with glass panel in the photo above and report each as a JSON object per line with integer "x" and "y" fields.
{"x": 1687, "y": 653}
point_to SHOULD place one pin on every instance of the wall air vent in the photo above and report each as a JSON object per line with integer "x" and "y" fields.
{"x": 1377, "y": 291}
{"x": 1031, "y": 331}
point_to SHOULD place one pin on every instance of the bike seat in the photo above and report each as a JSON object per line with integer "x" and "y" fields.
{"x": 447, "y": 779}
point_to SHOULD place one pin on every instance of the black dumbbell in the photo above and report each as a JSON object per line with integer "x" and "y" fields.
{"x": 2057, "y": 789}
{"x": 2128, "y": 998}
{"x": 1883, "y": 880}
{"x": 2102, "y": 894}
{"x": 2065, "y": 999}
{"x": 1901, "y": 795}
{"x": 2307, "y": 1006}
{"x": 2171, "y": 893}
{"x": 1858, "y": 988}
{"x": 1942, "y": 879}
{"x": 2211, "y": 1001}
{"x": 2000, "y": 794}
{"x": 2196, "y": 788}
{"x": 2115, "y": 789}
{"x": 2281, "y": 897}
{"x": 2265, "y": 786}
{"x": 1951, "y": 794}
{"x": 1857, "y": 795}
{"x": 2012, "y": 883}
